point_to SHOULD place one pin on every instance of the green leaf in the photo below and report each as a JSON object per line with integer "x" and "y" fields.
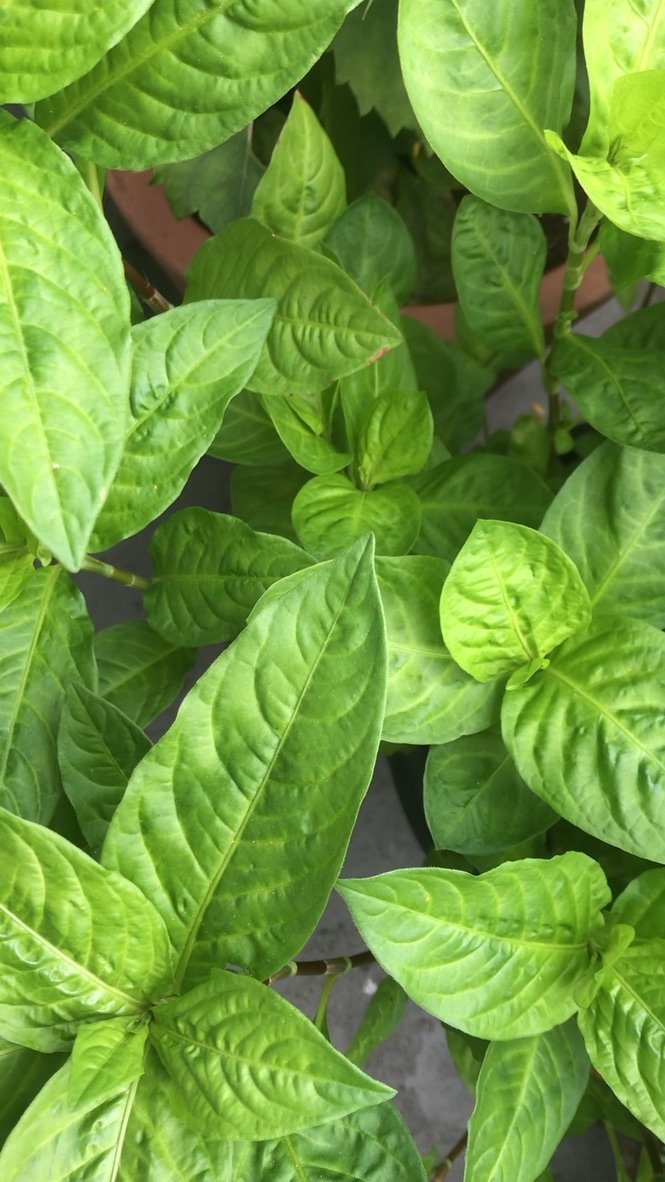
{"x": 248, "y": 435}
{"x": 43, "y": 49}
{"x": 430, "y": 699}
{"x": 310, "y": 450}
{"x": 217, "y": 186}
{"x": 588, "y": 735}
{"x": 263, "y": 496}
{"x": 324, "y": 328}
{"x": 237, "y": 766}
{"x": 528, "y": 1091}
{"x": 459, "y": 492}
{"x": 428, "y": 209}
{"x": 329, "y": 513}
{"x": 467, "y": 1053}
{"x": 372, "y": 1145}
{"x": 17, "y": 552}
{"x": 454, "y": 382}
{"x": 106, "y": 1057}
{"x": 210, "y": 570}
{"x": 189, "y": 76}
{"x": 630, "y": 259}
{"x": 187, "y": 366}
{"x": 619, "y": 38}
{"x": 484, "y": 82}
{"x": 628, "y": 186}
{"x": 395, "y": 437}
{"x": 608, "y": 518}
{"x": 45, "y": 646}
{"x": 98, "y": 749}
{"x": 644, "y": 329}
{"x": 366, "y": 57}
{"x": 62, "y": 1141}
{"x": 245, "y": 1064}
{"x": 64, "y": 321}
{"x": 139, "y": 672}
{"x": 616, "y": 388}
{"x": 511, "y": 597}
{"x": 22, "y": 1074}
{"x": 642, "y": 905}
{"x": 498, "y": 262}
{"x": 303, "y": 189}
{"x": 374, "y": 246}
{"x": 624, "y": 1031}
{"x": 382, "y": 1017}
{"x": 77, "y": 941}
{"x": 498, "y": 955}
{"x": 475, "y": 801}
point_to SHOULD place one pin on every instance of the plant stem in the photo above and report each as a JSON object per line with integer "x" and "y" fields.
{"x": 653, "y": 1148}
{"x": 333, "y": 967}
{"x": 321, "y": 1017}
{"x": 126, "y": 577}
{"x": 441, "y": 1170}
{"x": 146, "y": 291}
{"x": 622, "y": 1174}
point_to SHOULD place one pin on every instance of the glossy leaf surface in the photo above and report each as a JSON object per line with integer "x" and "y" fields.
{"x": 303, "y": 189}
{"x": 45, "y": 645}
{"x": 324, "y": 328}
{"x": 456, "y": 494}
{"x": 189, "y": 75}
{"x": 498, "y": 262}
{"x": 527, "y": 1094}
{"x": 77, "y": 942}
{"x": 395, "y": 437}
{"x": 188, "y": 364}
{"x": 624, "y": 1031}
{"x": 64, "y": 343}
{"x": 210, "y": 570}
{"x": 608, "y": 517}
{"x": 106, "y": 1057}
{"x": 230, "y": 806}
{"x": 98, "y": 749}
{"x": 246, "y": 1064}
{"x": 498, "y": 955}
{"x": 475, "y": 801}
{"x": 642, "y": 905}
{"x": 139, "y": 672}
{"x": 511, "y": 597}
{"x": 330, "y": 513}
{"x": 604, "y": 689}
{"x": 309, "y": 447}
{"x": 430, "y": 699}
{"x": 484, "y": 83}
{"x": 620, "y": 38}
{"x": 43, "y": 49}
{"x": 617, "y": 389}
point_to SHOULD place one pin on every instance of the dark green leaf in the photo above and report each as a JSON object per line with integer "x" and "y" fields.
{"x": 527, "y": 1094}
{"x": 187, "y": 366}
{"x": 263, "y": 496}
{"x": 245, "y": 1064}
{"x": 248, "y": 435}
{"x": 498, "y": 263}
{"x": 139, "y": 672}
{"x": 22, "y": 1074}
{"x": 381, "y": 1019}
{"x": 456, "y": 494}
{"x": 430, "y": 699}
{"x": 98, "y": 749}
{"x": 226, "y": 808}
{"x": 64, "y": 320}
{"x": 608, "y": 518}
{"x": 475, "y": 801}
{"x": 497, "y": 955}
{"x": 374, "y": 246}
{"x": 46, "y": 646}
{"x": 588, "y": 734}
{"x": 512, "y": 596}
{"x": 325, "y": 326}
{"x": 329, "y": 513}
{"x": 187, "y": 77}
{"x": 630, "y": 259}
{"x": 642, "y": 905}
{"x": 366, "y": 57}
{"x": 210, "y": 570}
{"x": 218, "y": 186}
{"x": 454, "y": 383}
{"x": 484, "y": 82}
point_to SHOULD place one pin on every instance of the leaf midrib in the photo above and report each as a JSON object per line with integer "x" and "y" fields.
{"x": 530, "y": 319}
{"x": 612, "y": 377}
{"x": 446, "y": 922}
{"x": 624, "y": 554}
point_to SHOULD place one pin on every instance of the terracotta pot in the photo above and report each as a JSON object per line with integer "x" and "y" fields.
{"x": 173, "y": 242}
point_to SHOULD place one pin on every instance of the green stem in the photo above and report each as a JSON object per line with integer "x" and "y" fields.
{"x": 653, "y": 1148}
{"x": 126, "y": 577}
{"x": 321, "y": 1017}
{"x": 619, "y": 1164}
{"x": 442, "y": 1169}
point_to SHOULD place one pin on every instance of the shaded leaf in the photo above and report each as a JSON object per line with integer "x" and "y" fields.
{"x": 373, "y": 245}
{"x": 454, "y": 382}
{"x": 382, "y": 1017}
{"x": 218, "y": 186}
{"x": 248, "y": 435}
{"x": 366, "y": 57}
{"x": 22, "y": 1074}
{"x": 263, "y": 496}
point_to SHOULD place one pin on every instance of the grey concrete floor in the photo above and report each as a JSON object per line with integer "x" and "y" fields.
{"x": 415, "y": 1061}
